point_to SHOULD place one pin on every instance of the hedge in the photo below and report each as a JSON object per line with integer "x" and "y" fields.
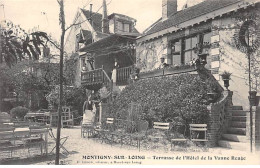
{"x": 181, "y": 98}
{"x": 19, "y": 112}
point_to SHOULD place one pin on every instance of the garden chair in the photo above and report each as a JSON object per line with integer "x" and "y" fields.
{"x": 62, "y": 141}
{"x": 179, "y": 131}
{"x": 35, "y": 137}
{"x": 107, "y": 128}
{"x": 138, "y": 136}
{"x": 163, "y": 128}
{"x": 198, "y": 133}
{"x": 87, "y": 124}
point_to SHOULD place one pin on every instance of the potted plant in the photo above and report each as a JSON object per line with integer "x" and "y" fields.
{"x": 226, "y": 77}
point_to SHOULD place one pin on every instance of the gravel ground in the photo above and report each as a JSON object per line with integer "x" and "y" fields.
{"x": 91, "y": 151}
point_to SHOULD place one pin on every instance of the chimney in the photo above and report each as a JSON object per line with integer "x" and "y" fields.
{"x": 105, "y": 24}
{"x": 169, "y": 7}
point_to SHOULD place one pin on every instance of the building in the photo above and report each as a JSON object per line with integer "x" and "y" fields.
{"x": 221, "y": 34}
{"x": 211, "y": 25}
{"x": 102, "y": 43}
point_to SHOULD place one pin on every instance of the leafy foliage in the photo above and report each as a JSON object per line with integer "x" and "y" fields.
{"x": 17, "y": 44}
{"x": 181, "y": 98}
{"x": 19, "y": 112}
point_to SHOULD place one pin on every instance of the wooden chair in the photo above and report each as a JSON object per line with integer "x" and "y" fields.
{"x": 165, "y": 127}
{"x": 198, "y": 133}
{"x": 62, "y": 141}
{"x": 67, "y": 117}
{"x": 104, "y": 133}
{"x": 141, "y": 133}
{"x": 38, "y": 136}
{"x": 179, "y": 131}
{"x": 7, "y": 139}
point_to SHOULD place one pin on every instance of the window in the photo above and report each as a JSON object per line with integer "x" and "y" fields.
{"x": 176, "y": 52}
{"x": 182, "y": 51}
{"x": 120, "y": 26}
{"x": 206, "y": 38}
{"x": 189, "y": 53}
{"x": 126, "y": 28}
{"x": 123, "y": 27}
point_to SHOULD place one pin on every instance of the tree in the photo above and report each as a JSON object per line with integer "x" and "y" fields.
{"x": 16, "y": 44}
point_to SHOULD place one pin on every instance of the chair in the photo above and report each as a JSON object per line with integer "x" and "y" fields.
{"x": 198, "y": 133}
{"x": 179, "y": 131}
{"x": 62, "y": 141}
{"x": 107, "y": 128}
{"x": 163, "y": 127}
{"x": 142, "y": 127}
{"x": 87, "y": 128}
{"x": 35, "y": 137}
{"x": 87, "y": 124}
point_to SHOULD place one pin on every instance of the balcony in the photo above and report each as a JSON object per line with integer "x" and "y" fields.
{"x": 95, "y": 79}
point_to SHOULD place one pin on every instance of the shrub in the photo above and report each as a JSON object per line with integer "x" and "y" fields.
{"x": 181, "y": 98}
{"x": 19, "y": 112}
{"x": 75, "y": 98}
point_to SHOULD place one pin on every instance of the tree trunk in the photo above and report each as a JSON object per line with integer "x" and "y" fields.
{"x": 62, "y": 23}
{"x": 1, "y": 95}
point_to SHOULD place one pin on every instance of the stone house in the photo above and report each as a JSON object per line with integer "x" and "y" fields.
{"x": 212, "y": 23}
{"x": 215, "y": 32}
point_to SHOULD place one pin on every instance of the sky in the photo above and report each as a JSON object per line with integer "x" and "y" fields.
{"x": 45, "y": 13}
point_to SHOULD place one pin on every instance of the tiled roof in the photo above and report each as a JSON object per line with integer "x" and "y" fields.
{"x": 190, "y": 13}
{"x": 114, "y": 40}
{"x": 121, "y": 15}
{"x": 96, "y": 18}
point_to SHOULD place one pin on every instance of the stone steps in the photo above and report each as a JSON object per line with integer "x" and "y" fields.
{"x": 238, "y": 112}
{"x": 238, "y": 131}
{"x": 234, "y": 137}
{"x": 237, "y": 107}
{"x": 238, "y": 124}
{"x": 234, "y": 145}
{"x": 239, "y": 118}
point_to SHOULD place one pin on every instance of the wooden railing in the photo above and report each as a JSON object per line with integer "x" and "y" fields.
{"x": 95, "y": 79}
{"x": 92, "y": 77}
{"x": 123, "y": 75}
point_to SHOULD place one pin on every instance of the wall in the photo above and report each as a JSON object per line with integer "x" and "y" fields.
{"x": 226, "y": 57}
{"x": 71, "y": 38}
{"x": 148, "y": 54}
{"x": 223, "y": 55}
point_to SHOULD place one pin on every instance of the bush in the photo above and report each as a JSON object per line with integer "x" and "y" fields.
{"x": 19, "y": 112}
{"x": 75, "y": 98}
{"x": 181, "y": 98}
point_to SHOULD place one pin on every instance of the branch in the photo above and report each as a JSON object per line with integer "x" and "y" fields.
{"x": 55, "y": 45}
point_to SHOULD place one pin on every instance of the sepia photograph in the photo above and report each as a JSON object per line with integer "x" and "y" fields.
{"x": 129, "y": 82}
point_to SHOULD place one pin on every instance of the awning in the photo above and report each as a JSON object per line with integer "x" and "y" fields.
{"x": 113, "y": 43}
